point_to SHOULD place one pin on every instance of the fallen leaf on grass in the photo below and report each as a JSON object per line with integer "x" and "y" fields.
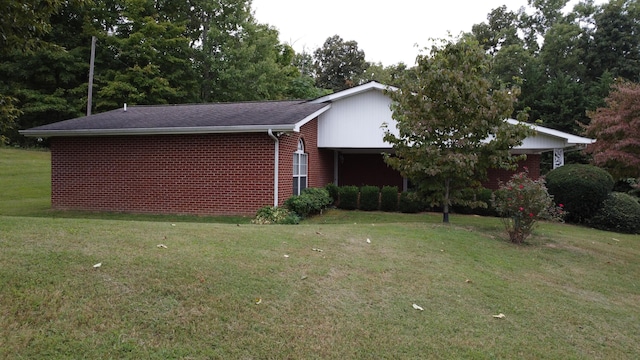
{"x": 162, "y": 246}
{"x": 97, "y": 265}
{"x": 418, "y": 307}
{"x": 500, "y": 316}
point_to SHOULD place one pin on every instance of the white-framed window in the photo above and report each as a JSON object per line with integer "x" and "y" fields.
{"x": 300, "y": 164}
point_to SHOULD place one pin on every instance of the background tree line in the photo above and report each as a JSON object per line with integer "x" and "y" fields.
{"x": 160, "y": 51}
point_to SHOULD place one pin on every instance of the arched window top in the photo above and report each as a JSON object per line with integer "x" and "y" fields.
{"x": 300, "y": 149}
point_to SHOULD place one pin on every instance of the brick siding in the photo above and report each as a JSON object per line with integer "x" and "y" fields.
{"x": 216, "y": 174}
{"x": 190, "y": 174}
{"x": 532, "y": 163}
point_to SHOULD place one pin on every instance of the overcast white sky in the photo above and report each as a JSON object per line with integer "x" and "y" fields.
{"x": 387, "y": 31}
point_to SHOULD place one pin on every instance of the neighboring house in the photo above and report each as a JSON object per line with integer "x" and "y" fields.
{"x": 233, "y": 158}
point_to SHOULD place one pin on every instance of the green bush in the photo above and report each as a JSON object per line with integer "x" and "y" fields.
{"x": 275, "y": 215}
{"x": 410, "y": 203}
{"x": 311, "y": 201}
{"x": 478, "y": 202}
{"x": 630, "y": 186}
{"x": 620, "y": 212}
{"x": 333, "y": 192}
{"x": 348, "y": 197}
{"x": 581, "y": 189}
{"x": 369, "y": 198}
{"x": 389, "y": 198}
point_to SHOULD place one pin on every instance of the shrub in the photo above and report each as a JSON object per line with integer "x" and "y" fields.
{"x": 521, "y": 202}
{"x": 620, "y": 212}
{"x": 348, "y": 197}
{"x": 333, "y": 192}
{"x": 581, "y": 188}
{"x": 369, "y": 198}
{"x": 275, "y": 215}
{"x": 478, "y": 202}
{"x": 410, "y": 202}
{"x": 389, "y": 198}
{"x": 311, "y": 201}
{"x": 630, "y": 186}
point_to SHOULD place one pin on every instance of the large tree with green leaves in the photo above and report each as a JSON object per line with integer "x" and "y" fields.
{"x": 338, "y": 64}
{"x": 451, "y": 123}
{"x": 24, "y": 26}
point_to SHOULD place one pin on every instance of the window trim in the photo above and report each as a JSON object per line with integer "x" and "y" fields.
{"x": 300, "y": 169}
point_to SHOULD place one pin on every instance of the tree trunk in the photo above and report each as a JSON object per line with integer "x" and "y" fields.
{"x": 445, "y": 202}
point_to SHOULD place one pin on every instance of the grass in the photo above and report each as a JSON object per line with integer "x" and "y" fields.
{"x": 571, "y": 293}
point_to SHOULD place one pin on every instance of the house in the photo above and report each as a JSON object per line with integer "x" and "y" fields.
{"x": 232, "y": 158}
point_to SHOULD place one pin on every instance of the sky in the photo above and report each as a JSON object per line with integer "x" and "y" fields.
{"x": 387, "y": 31}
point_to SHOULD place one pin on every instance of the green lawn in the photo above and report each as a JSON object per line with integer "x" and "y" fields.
{"x": 571, "y": 293}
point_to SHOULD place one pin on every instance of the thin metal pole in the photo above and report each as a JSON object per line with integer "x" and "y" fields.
{"x": 93, "y": 56}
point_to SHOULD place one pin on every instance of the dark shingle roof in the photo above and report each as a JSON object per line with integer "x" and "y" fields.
{"x": 188, "y": 118}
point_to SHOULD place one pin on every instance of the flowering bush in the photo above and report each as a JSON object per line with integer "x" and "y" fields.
{"x": 521, "y": 202}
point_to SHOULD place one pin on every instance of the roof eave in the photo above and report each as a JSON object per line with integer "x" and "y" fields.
{"x": 161, "y": 131}
{"x": 300, "y": 123}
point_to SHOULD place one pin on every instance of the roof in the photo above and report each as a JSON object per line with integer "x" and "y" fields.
{"x": 188, "y": 119}
{"x": 371, "y": 85}
{"x": 570, "y": 139}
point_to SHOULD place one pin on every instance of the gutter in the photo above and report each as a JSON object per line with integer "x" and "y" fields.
{"x": 158, "y": 131}
{"x": 276, "y": 165}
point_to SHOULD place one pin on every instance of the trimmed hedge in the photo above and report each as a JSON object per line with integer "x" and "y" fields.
{"x": 620, "y": 212}
{"x": 410, "y": 203}
{"x": 369, "y": 198}
{"x": 580, "y": 188}
{"x": 389, "y": 198}
{"x": 311, "y": 201}
{"x": 477, "y": 195}
{"x": 333, "y": 192}
{"x": 348, "y": 197}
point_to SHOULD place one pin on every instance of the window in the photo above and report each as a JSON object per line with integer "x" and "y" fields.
{"x": 300, "y": 163}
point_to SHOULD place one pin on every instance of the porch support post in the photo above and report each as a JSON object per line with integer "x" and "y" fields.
{"x": 558, "y": 157}
{"x": 336, "y": 160}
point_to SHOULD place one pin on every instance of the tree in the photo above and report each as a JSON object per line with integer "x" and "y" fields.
{"x": 615, "y": 46}
{"x": 616, "y": 129}
{"x": 451, "y": 123}
{"x": 24, "y": 29}
{"x": 500, "y": 30}
{"x": 387, "y": 75}
{"x": 338, "y": 63}
{"x": 23, "y": 23}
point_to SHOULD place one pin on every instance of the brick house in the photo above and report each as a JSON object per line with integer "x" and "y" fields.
{"x": 232, "y": 158}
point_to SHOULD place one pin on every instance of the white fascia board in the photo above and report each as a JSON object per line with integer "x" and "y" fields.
{"x": 354, "y": 91}
{"x": 300, "y": 123}
{"x": 160, "y": 131}
{"x": 569, "y": 138}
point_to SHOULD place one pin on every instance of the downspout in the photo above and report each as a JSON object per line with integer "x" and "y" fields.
{"x": 275, "y": 167}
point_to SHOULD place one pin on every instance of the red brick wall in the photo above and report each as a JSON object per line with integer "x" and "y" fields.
{"x": 320, "y": 160}
{"x": 190, "y": 174}
{"x": 532, "y": 163}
